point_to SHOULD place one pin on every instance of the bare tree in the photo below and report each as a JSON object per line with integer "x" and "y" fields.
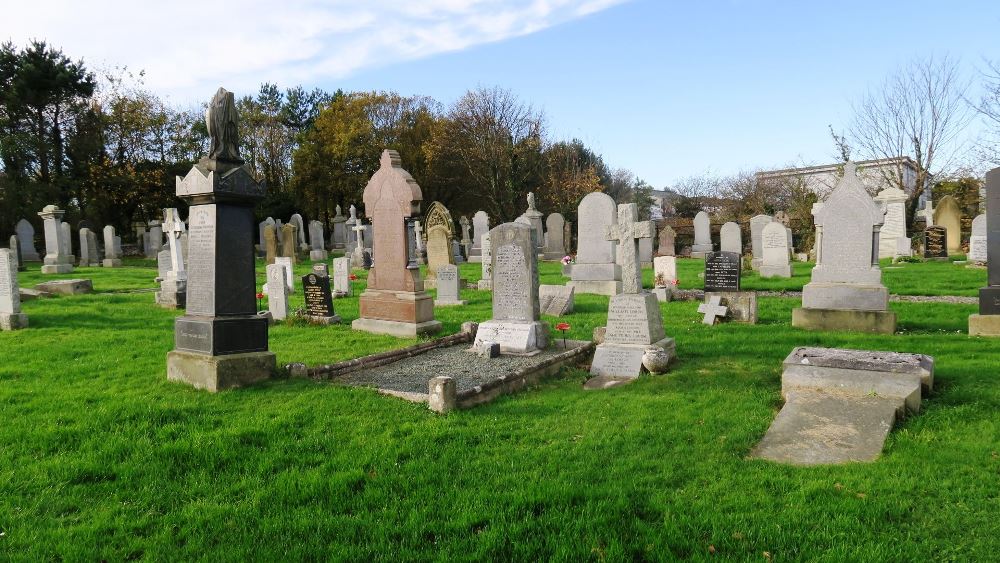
{"x": 989, "y": 108}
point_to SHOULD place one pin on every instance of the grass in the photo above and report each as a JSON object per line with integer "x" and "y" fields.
{"x": 102, "y": 458}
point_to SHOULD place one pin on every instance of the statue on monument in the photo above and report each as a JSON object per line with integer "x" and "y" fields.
{"x": 531, "y": 201}
{"x": 223, "y": 129}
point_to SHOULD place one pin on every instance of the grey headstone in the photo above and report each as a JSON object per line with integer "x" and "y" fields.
{"x": 702, "y": 235}
{"x": 730, "y": 238}
{"x": 26, "y": 238}
{"x": 757, "y": 224}
{"x": 774, "y": 262}
{"x": 447, "y": 286}
{"x": 341, "y": 276}
{"x": 555, "y": 247}
{"x": 277, "y": 291}
{"x": 555, "y": 300}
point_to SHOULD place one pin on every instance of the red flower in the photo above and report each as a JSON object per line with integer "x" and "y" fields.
{"x": 562, "y": 326}
{"x": 260, "y": 296}
{"x": 352, "y": 277}
{"x": 676, "y": 282}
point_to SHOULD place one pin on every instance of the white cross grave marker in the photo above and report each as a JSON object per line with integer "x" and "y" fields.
{"x": 712, "y": 309}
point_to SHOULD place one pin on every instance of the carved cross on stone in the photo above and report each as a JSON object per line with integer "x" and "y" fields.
{"x": 626, "y": 233}
{"x": 712, "y": 310}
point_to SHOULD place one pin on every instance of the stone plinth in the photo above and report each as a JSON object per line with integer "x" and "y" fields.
{"x": 634, "y": 324}
{"x": 839, "y": 319}
{"x": 741, "y": 306}
{"x": 217, "y": 373}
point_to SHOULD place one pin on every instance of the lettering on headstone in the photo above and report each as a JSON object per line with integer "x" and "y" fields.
{"x": 722, "y": 271}
{"x": 511, "y": 283}
{"x": 201, "y": 260}
{"x": 319, "y": 300}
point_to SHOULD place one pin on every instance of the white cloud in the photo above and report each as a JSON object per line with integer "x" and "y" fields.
{"x": 189, "y": 47}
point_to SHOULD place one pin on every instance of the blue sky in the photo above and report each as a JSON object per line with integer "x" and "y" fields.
{"x": 666, "y": 89}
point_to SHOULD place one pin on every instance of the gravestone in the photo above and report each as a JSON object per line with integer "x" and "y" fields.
{"x": 278, "y": 232}
{"x": 949, "y": 215}
{"x": 555, "y": 247}
{"x": 713, "y": 309}
{"x": 88, "y": 254}
{"x": 317, "y": 251}
{"x": 486, "y": 281}
{"x": 555, "y": 300}
{"x": 987, "y": 322}
{"x": 646, "y": 251}
{"x": 15, "y": 247}
{"x": 936, "y": 242}
{"x": 515, "y": 324}
{"x": 277, "y": 292}
{"x": 358, "y": 252}
{"x": 774, "y": 240}
{"x": 596, "y": 269}
{"x": 112, "y": 248}
{"x": 634, "y": 321}
{"x": 220, "y": 342}
{"x": 319, "y": 299}
{"x": 394, "y": 301}
{"x": 11, "y": 317}
{"x": 894, "y": 200}
{"x": 26, "y": 238}
{"x": 154, "y": 239}
{"x": 447, "y": 286}
{"x": 420, "y": 240}
{"x": 757, "y": 224}
{"x": 456, "y": 252}
{"x": 300, "y": 232}
{"x": 534, "y": 218}
{"x": 440, "y": 232}
{"x": 260, "y": 232}
{"x": 339, "y": 235}
{"x": 722, "y": 271}
{"x": 65, "y": 232}
{"x": 369, "y": 236}
{"x": 730, "y": 238}
{"x": 352, "y": 221}
{"x": 466, "y": 237}
{"x": 665, "y": 241}
{"x": 480, "y": 226}
{"x": 341, "y": 276}
{"x": 289, "y": 244}
{"x": 664, "y": 277}
{"x": 270, "y": 244}
{"x": 846, "y": 291}
{"x": 173, "y": 288}
{"x": 702, "y": 235}
{"x": 57, "y": 256}
{"x": 977, "y": 242}
{"x": 289, "y": 265}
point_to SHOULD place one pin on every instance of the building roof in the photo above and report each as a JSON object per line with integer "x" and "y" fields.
{"x": 878, "y": 162}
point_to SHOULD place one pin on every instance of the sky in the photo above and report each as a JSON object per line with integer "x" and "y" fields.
{"x": 667, "y": 89}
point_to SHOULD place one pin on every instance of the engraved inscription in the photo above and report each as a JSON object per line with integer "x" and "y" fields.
{"x": 722, "y": 271}
{"x": 511, "y": 284}
{"x": 316, "y": 290}
{"x": 612, "y": 360}
{"x": 201, "y": 260}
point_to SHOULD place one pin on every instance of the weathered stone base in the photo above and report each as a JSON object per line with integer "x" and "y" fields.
{"x": 485, "y": 285}
{"x": 396, "y": 328}
{"x": 846, "y": 296}
{"x": 663, "y": 294}
{"x": 334, "y": 320}
{"x": 755, "y": 264}
{"x": 783, "y": 271}
{"x": 448, "y": 302}
{"x": 13, "y": 321}
{"x": 172, "y": 294}
{"x": 112, "y": 263}
{"x": 57, "y": 268}
{"x": 217, "y": 373}
{"x": 625, "y": 360}
{"x": 741, "y": 306}
{"x": 984, "y": 325}
{"x": 515, "y": 337}
{"x": 318, "y": 255}
{"x": 839, "y": 319}
{"x": 598, "y": 287}
{"x": 67, "y": 287}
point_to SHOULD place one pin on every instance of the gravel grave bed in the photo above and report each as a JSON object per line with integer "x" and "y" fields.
{"x": 410, "y": 375}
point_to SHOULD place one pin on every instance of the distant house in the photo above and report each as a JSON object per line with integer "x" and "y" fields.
{"x": 897, "y": 172}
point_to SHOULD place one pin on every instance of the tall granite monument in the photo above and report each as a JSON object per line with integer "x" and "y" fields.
{"x": 58, "y": 259}
{"x": 987, "y": 322}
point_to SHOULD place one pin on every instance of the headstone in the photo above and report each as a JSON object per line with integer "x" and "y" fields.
{"x": 88, "y": 254}
{"x": 289, "y": 265}
{"x": 774, "y": 239}
{"x": 555, "y": 247}
{"x": 65, "y": 232}
{"x": 420, "y": 239}
{"x": 634, "y": 320}
{"x": 466, "y": 237}
{"x": 341, "y": 276}
{"x": 568, "y": 237}
{"x": 11, "y": 317}
{"x": 456, "y": 252}
{"x": 440, "y": 232}
{"x": 358, "y": 252}
{"x": 534, "y": 218}
{"x": 894, "y": 200}
{"x": 15, "y": 247}
{"x": 555, "y": 300}
{"x": 730, "y": 238}
{"x": 756, "y": 228}
{"x": 278, "y": 232}
{"x": 646, "y": 251}
{"x": 447, "y": 286}
{"x": 596, "y": 269}
{"x": 515, "y": 323}
{"x": 846, "y": 291}
{"x": 339, "y": 230}
{"x": 260, "y": 230}
{"x": 352, "y": 221}
{"x": 904, "y": 246}
{"x": 666, "y": 241}
{"x": 987, "y": 322}
{"x": 369, "y": 235}
{"x": 713, "y": 309}
{"x": 173, "y": 288}
{"x": 480, "y": 226}
{"x": 112, "y": 248}
{"x": 317, "y": 251}
{"x": 486, "y": 281}
{"x": 154, "y": 240}
{"x": 977, "y": 242}
{"x": 702, "y": 235}
{"x": 319, "y": 298}
{"x": 270, "y": 244}
{"x": 664, "y": 276}
{"x": 722, "y": 271}
{"x": 394, "y": 301}
{"x": 221, "y": 341}
{"x": 289, "y": 244}
{"x": 949, "y": 215}
{"x": 26, "y": 238}
{"x": 57, "y": 256}
{"x": 277, "y": 292}
{"x": 935, "y": 242}
{"x": 300, "y": 232}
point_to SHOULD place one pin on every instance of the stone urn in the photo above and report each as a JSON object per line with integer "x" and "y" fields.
{"x": 656, "y": 360}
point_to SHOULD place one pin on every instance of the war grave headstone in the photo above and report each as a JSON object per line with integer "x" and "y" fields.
{"x": 358, "y": 248}
{"x": 534, "y": 218}
{"x": 949, "y": 215}
{"x": 394, "y": 301}
{"x": 486, "y": 279}
{"x": 722, "y": 280}
{"x": 66, "y": 233}
{"x": 664, "y": 277}
{"x": 262, "y": 242}
{"x": 987, "y": 322}
{"x": 555, "y": 300}
{"x": 774, "y": 240}
{"x": 757, "y": 224}
{"x": 894, "y": 200}
{"x": 634, "y": 322}
{"x": 26, "y": 238}
{"x": 440, "y": 232}
{"x": 846, "y": 291}
{"x": 841, "y": 404}
{"x": 270, "y": 244}
{"x": 730, "y": 238}
{"x": 341, "y": 276}
{"x": 555, "y": 248}
{"x": 289, "y": 246}
{"x": 289, "y": 265}
{"x": 317, "y": 250}
{"x": 936, "y": 242}
{"x": 319, "y": 298}
{"x": 11, "y": 317}
{"x": 447, "y": 286}
{"x": 221, "y": 341}
{"x": 173, "y": 287}
{"x": 596, "y": 270}
{"x": 466, "y": 236}
{"x": 339, "y": 234}
{"x": 665, "y": 242}
{"x": 977, "y": 241}
{"x": 702, "y": 235}
{"x": 480, "y": 226}
{"x": 112, "y": 248}
{"x": 57, "y": 256}
{"x": 516, "y": 324}
{"x": 277, "y": 292}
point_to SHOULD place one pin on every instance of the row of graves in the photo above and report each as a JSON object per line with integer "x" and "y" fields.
{"x": 839, "y": 404}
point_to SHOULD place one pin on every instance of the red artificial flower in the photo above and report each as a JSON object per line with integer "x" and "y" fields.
{"x": 562, "y": 326}
{"x": 676, "y": 282}
{"x": 352, "y": 277}
{"x": 260, "y": 296}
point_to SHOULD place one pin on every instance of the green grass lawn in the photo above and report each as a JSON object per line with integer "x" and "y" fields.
{"x": 102, "y": 458}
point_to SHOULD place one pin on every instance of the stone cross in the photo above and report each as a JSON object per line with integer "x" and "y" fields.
{"x": 713, "y": 309}
{"x": 626, "y": 233}
{"x": 174, "y": 228}
{"x": 359, "y": 231}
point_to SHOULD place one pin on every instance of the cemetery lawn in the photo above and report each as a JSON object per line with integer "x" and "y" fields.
{"x": 103, "y": 458}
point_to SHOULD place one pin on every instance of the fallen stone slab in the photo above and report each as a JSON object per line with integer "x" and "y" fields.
{"x": 27, "y": 294}
{"x": 67, "y": 287}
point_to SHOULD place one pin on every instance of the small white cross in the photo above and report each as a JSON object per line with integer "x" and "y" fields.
{"x": 712, "y": 309}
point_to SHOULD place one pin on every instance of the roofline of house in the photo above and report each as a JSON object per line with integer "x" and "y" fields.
{"x": 830, "y": 167}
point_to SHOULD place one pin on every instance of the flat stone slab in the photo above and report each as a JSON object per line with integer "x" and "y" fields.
{"x": 606, "y": 382}
{"x": 27, "y": 294}
{"x": 817, "y": 428}
{"x": 877, "y": 364}
{"x": 67, "y": 287}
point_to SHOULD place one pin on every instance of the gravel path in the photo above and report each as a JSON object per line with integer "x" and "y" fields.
{"x": 411, "y": 375}
{"x": 698, "y": 295}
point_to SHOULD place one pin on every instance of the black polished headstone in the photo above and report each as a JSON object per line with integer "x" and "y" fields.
{"x": 935, "y": 242}
{"x": 319, "y": 298}
{"x": 989, "y": 296}
{"x": 722, "y": 271}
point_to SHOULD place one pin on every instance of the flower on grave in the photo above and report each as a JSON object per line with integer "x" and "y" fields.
{"x": 352, "y": 277}
{"x": 562, "y": 326}
{"x": 676, "y": 282}
{"x": 260, "y": 295}
{"x": 567, "y": 260}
